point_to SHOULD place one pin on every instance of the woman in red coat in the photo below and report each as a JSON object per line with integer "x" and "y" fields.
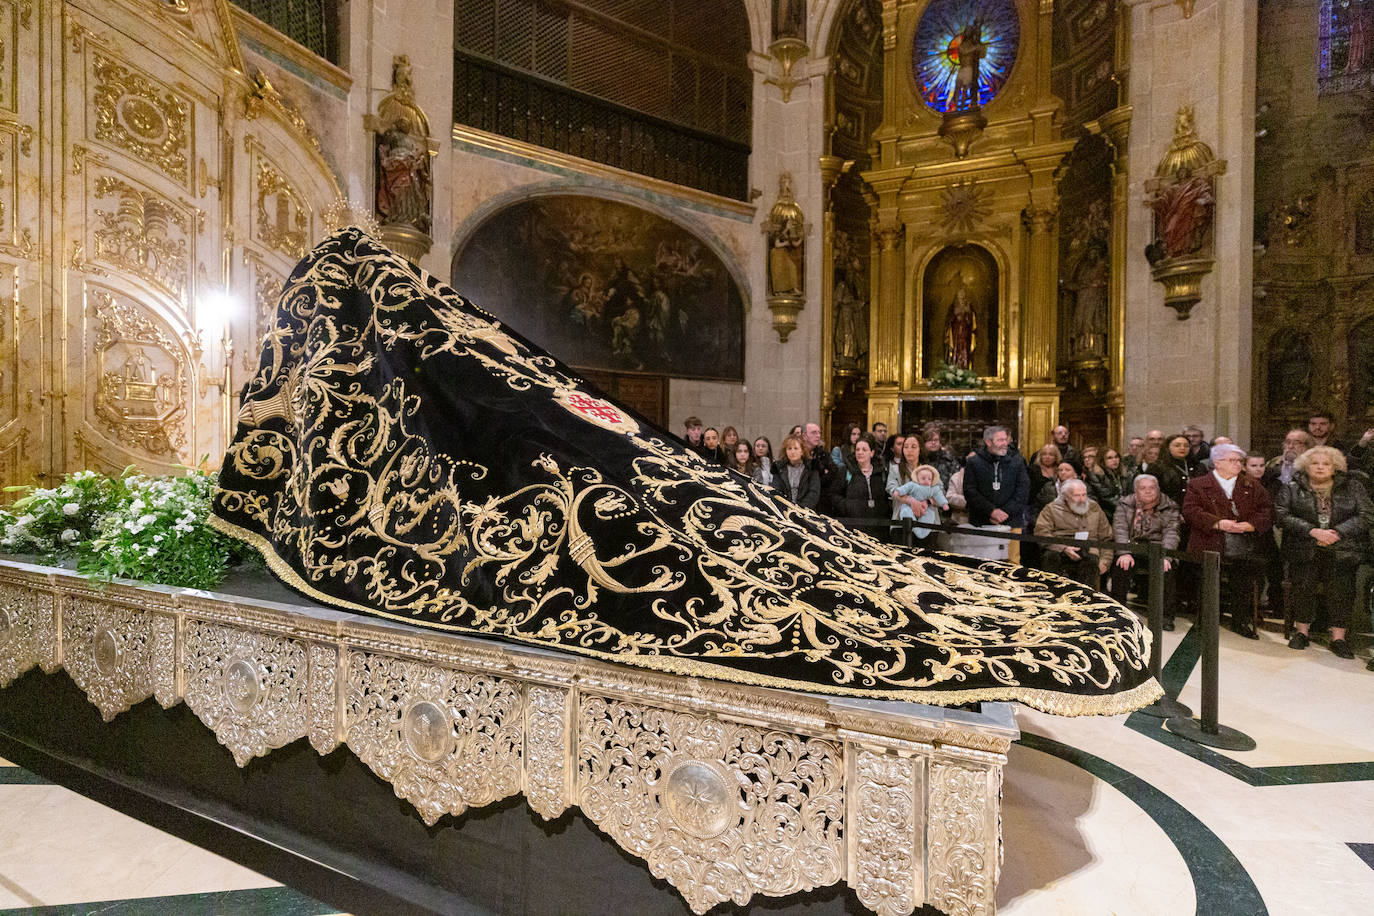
{"x": 1228, "y": 502}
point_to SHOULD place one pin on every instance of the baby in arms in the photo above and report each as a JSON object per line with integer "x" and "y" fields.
{"x": 926, "y": 487}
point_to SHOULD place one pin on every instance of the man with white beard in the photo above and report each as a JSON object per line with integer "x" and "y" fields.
{"x": 1074, "y": 515}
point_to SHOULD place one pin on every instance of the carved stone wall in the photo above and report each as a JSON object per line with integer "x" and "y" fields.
{"x": 725, "y": 791}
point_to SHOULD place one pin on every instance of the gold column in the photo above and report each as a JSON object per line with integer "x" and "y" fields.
{"x": 885, "y": 324}
{"x": 1116, "y": 127}
{"x": 1040, "y": 403}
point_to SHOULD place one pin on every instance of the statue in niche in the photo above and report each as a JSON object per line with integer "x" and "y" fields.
{"x": 850, "y": 307}
{"x": 1088, "y": 331}
{"x": 789, "y": 19}
{"x": 1183, "y": 218}
{"x": 959, "y": 311}
{"x": 404, "y": 187}
{"x": 786, "y": 229}
{"x": 961, "y": 331}
{"x": 1361, "y": 360}
{"x": 1290, "y": 370}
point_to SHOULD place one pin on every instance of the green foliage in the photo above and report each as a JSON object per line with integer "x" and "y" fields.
{"x": 946, "y": 376}
{"x": 148, "y": 528}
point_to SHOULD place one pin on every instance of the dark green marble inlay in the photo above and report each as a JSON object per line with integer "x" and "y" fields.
{"x": 278, "y": 901}
{"x": 18, "y": 776}
{"x": 1173, "y": 675}
{"x": 1221, "y": 884}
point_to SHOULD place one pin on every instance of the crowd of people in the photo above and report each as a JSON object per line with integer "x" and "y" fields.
{"x": 1295, "y": 530}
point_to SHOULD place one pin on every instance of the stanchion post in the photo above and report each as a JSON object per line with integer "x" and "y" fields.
{"x": 1208, "y": 730}
{"x": 1166, "y": 707}
{"x": 907, "y": 535}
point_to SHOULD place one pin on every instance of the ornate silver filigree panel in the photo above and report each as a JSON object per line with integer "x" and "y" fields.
{"x": 249, "y": 688}
{"x": 547, "y": 750}
{"x": 885, "y": 800}
{"x": 446, "y": 740}
{"x": 962, "y": 849}
{"x": 165, "y": 660}
{"x": 722, "y": 811}
{"x": 324, "y": 699}
{"x": 23, "y": 612}
{"x": 107, "y": 650}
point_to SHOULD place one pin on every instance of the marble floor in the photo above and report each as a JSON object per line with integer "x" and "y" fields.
{"x": 1101, "y": 816}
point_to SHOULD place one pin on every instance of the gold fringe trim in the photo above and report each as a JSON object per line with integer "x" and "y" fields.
{"x": 1050, "y": 701}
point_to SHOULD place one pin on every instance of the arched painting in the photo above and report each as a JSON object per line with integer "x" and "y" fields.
{"x": 606, "y": 285}
{"x": 959, "y": 311}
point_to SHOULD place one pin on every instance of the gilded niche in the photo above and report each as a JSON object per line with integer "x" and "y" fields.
{"x": 282, "y": 221}
{"x": 141, "y": 379}
{"x": 141, "y": 117}
{"x": 136, "y": 236}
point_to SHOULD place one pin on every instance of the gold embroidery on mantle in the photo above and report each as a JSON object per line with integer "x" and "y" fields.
{"x": 758, "y": 555}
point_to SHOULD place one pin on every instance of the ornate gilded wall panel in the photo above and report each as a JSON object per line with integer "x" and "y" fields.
{"x": 281, "y": 217}
{"x": 267, "y": 285}
{"x": 721, "y": 811}
{"x": 107, "y": 650}
{"x": 249, "y": 688}
{"x": 134, "y": 113}
{"x": 446, "y": 740}
{"x": 25, "y": 615}
{"x": 137, "y": 375}
{"x": 137, "y": 233}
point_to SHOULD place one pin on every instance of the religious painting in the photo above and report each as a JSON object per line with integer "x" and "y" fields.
{"x": 1345, "y": 45}
{"x": 1361, "y": 361}
{"x": 607, "y": 285}
{"x": 963, "y": 52}
{"x": 959, "y": 311}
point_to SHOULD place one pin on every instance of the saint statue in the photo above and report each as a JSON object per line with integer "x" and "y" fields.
{"x": 404, "y": 188}
{"x": 961, "y": 332}
{"x": 1183, "y": 215}
{"x": 963, "y": 95}
{"x": 851, "y": 326}
{"x": 786, "y": 230}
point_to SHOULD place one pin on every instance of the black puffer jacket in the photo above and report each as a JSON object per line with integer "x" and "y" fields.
{"x": 1352, "y": 517}
{"x": 1011, "y": 494}
{"x": 1107, "y": 488}
{"x": 852, "y": 493}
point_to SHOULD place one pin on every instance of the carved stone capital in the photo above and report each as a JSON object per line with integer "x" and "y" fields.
{"x": 1039, "y": 220}
{"x": 890, "y": 236}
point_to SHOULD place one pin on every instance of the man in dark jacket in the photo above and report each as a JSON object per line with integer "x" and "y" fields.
{"x": 818, "y": 459}
{"x": 996, "y": 483}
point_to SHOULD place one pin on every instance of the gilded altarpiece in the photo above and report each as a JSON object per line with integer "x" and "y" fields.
{"x": 183, "y": 188}
{"x": 944, "y": 175}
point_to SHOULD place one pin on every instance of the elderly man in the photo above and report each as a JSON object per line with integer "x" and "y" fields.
{"x": 1197, "y": 443}
{"x": 1145, "y": 517}
{"x": 1074, "y": 515}
{"x": 1279, "y": 471}
{"x": 1228, "y": 512}
{"x": 1060, "y": 435}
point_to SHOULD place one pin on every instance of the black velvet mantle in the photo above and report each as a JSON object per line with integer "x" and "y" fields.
{"x": 401, "y": 453}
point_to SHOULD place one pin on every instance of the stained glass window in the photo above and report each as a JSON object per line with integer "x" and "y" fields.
{"x": 963, "y": 52}
{"x": 1345, "y": 57}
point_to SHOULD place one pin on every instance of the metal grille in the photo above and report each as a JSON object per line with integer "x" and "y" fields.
{"x": 313, "y": 24}
{"x": 659, "y": 57}
{"x": 505, "y": 101}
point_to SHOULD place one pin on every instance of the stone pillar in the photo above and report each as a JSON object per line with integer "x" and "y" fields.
{"x": 1040, "y": 407}
{"x": 1196, "y": 370}
{"x": 1116, "y": 126}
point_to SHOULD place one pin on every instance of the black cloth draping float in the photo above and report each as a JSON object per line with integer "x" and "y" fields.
{"x": 402, "y": 454}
